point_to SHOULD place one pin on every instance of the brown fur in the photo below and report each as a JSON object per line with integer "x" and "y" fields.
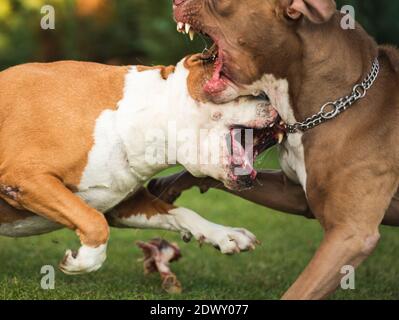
{"x": 200, "y": 72}
{"x": 47, "y": 119}
{"x": 164, "y": 71}
{"x": 352, "y": 162}
{"x": 51, "y": 109}
{"x": 142, "y": 202}
{"x": 9, "y": 214}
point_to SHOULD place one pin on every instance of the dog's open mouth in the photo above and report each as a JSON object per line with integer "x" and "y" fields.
{"x": 245, "y": 144}
{"x": 220, "y": 79}
{"x": 243, "y": 149}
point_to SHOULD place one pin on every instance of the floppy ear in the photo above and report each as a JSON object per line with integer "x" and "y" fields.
{"x": 317, "y": 11}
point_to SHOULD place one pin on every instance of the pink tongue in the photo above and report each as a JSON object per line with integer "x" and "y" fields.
{"x": 241, "y": 158}
{"x": 216, "y": 84}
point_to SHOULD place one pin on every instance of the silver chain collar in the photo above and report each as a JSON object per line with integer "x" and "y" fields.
{"x": 332, "y": 109}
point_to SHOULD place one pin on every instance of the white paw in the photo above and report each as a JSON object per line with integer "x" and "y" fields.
{"x": 229, "y": 240}
{"x": 86, "y": 260}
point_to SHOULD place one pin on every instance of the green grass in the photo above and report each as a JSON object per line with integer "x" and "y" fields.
{"x": 287, "y": 245}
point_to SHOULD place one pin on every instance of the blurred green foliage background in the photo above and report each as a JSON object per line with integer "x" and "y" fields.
{"x": 129, "y": 31}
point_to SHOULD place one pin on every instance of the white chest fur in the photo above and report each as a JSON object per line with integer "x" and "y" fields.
{"x": 292, "y": 155}
{"x": 292, "y": 159}
{"x": 107, "y": 178}
{"x": 116, "y": 166}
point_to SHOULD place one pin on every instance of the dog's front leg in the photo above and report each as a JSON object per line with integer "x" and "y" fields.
{"x": 340, "y": 247}
{"x": 47, "y": 196}
{"x": 273, "y": 190}
{"x": 145, "y": 211}
{"x": 351, "y": 221}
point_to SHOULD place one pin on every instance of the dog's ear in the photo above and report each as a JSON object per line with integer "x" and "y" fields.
{"x": 317, "y": 11}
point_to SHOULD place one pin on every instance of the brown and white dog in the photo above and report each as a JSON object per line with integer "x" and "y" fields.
{"x": 74, "y": 138}
{"x": 347, "y": 167}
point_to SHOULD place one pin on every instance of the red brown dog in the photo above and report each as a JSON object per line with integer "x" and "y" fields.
{"x": 335, "y": 90}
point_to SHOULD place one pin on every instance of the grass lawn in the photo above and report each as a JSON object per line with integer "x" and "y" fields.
{"x": 287, "y": 245}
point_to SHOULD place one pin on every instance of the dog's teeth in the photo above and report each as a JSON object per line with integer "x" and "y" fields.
{"x": 188, "y": 27}
{"x": 191, "y": 34}
{"x": 180, "y": 27}
{"x": 280, "y": 137}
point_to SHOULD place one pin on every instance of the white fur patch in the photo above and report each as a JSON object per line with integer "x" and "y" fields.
{"x": 107, "y": 178}
{"x": 87, "y": 260}
{"x": 292, "y": 154}
{"x": 117, "y": 167}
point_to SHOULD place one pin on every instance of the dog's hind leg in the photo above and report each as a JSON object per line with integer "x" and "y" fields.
{"x": 16, "y": 223}
{"x": 46, "y": 196}
{"x": 145, "y": 211}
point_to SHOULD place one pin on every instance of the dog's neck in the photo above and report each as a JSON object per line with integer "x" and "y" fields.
{"x": 334, "y": 60}
{"x": 147, "y": 121}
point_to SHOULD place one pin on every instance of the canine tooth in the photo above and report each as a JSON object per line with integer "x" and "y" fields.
{"x": 180, "y": 26}
{"x": 188, "y": 27}
{"x": 191, "y": 34}
{"x": 280, "y": 137}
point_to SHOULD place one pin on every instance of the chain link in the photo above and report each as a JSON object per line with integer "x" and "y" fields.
{"x": 332, "y": 109}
